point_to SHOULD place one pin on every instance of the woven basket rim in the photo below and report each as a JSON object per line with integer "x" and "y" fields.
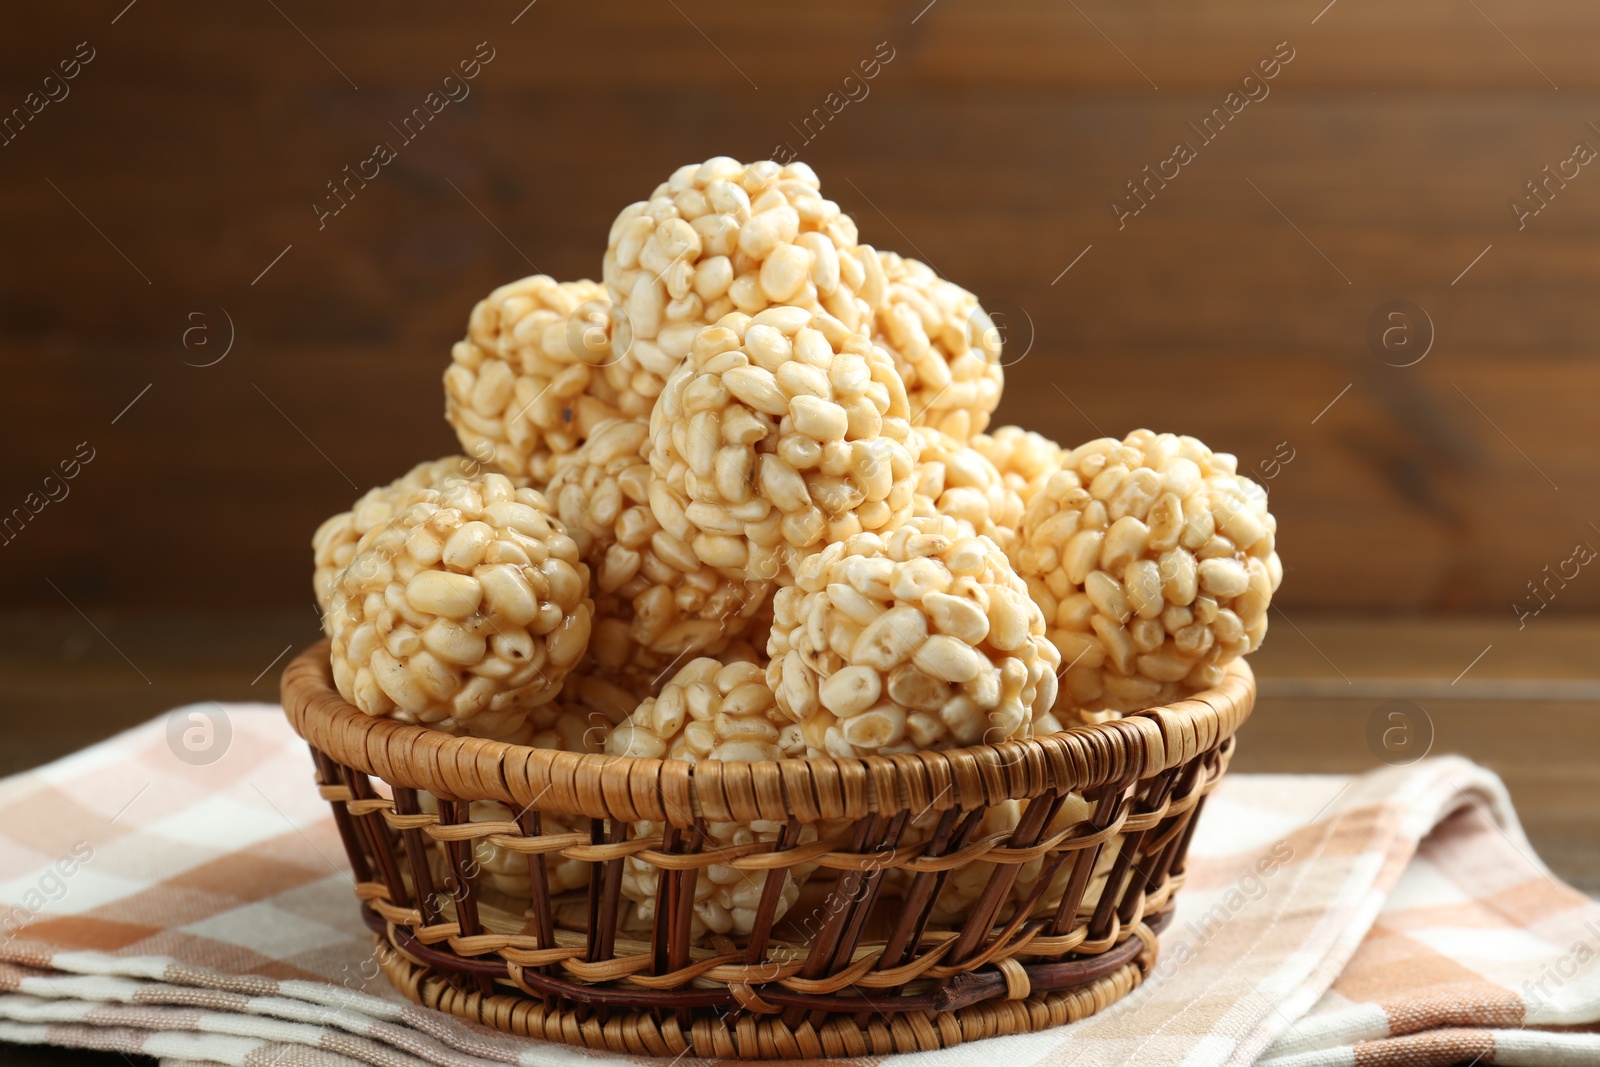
{"x": 1116, "y": 753}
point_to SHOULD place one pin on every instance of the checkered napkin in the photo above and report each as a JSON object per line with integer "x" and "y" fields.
{"x": 180, "y": 891}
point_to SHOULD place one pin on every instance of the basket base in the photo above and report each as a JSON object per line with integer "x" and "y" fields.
{"x": 753, "y": 1037}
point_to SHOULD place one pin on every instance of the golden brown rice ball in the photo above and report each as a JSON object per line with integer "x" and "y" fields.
{"x": 465, "y": 611}
{"x": 674, "y": 604}
{"x": 719, "y": 237}
{"x": 923, "y": 638}
{"x": 778, "y": 434}
{"x": 956, "y": 479}
{"x": 1153, "y": 561}
{"x": 525, "y": 385}
{"x": 1025, "y": 459}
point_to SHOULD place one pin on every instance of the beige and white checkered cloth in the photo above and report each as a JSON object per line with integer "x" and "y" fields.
{"x": 204, "y": 915}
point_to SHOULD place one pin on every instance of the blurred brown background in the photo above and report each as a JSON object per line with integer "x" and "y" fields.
{"x": 161, "y": 206}
{"x": 191, "y": 148}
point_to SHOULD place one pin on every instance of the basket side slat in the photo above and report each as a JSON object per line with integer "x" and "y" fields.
{"x": 329, "y": 775}
{"x": 837, "y": 906}
{"x": 683, "y": 904}
{"x": 866, "y": 896}
{"x": 771, "y": 892}
{"x": 379, "y": 843}
{"x": 1122, "y": 893}
{"x": 1175, "y": 827}
{"x": 610, "y": 897}
{"x": 925, "y": 886}
{"x": 1143, "y": 863}
{"x": 1107, "y": 810}
{"x": 531, "y": 823}
{"x": 415, "y": 847}
{"x": 597, "y": 836}
{"x": 661, "y": 921}
{"x": 1035, "y": 819}
{"x": 463, "y": 875}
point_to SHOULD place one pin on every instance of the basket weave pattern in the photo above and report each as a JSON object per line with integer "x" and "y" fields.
{"x": 851, "y": 969}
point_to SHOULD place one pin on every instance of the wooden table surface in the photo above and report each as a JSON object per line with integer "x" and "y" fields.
{"x": 1523, "y": 702}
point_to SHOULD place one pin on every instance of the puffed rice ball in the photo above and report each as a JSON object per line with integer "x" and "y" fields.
{"x": 955, "y": 479}
{"x": 1024, "y": 459}
{"x": 673, "y": 603}
{"x": 463, "y": 612}
{"x": 614, "y": 653}
{"x": 1153, "y": 562}
{"x": 779, "y": 433}
{"x": 917, "y": 639}
{"x": 334, "y": 543}
{"x": 524, "y": 385}
{"x": 944, "y": 346}
{"x": 713, "y": 711}
{"x": 718, "y": 237}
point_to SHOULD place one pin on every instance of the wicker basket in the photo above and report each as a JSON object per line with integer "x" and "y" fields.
{"x": 866, "y": 973}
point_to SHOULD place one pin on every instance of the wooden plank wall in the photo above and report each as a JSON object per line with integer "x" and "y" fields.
{"x": 1378, "y": 164}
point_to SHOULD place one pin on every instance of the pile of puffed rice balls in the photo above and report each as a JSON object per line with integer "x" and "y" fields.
{"x": 738, "y": 502}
